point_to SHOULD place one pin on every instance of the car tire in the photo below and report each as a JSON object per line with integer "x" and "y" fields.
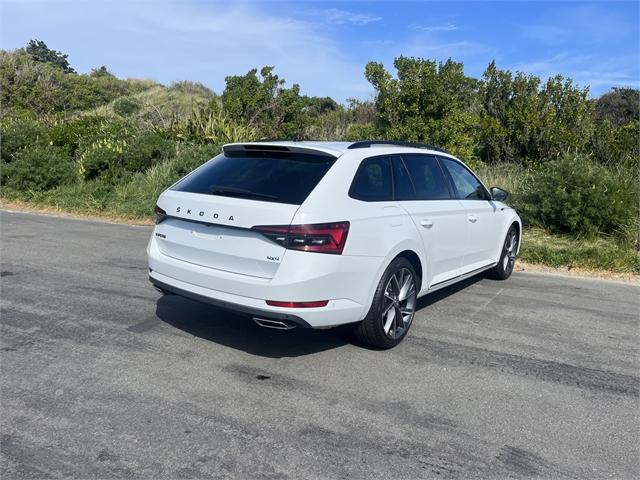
{"x": 396, "y": 297}
{"x": 504, "y": 268}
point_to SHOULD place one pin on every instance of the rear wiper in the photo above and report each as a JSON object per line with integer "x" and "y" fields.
{"x": 240, "y": 192}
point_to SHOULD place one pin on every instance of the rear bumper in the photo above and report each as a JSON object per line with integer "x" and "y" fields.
{"x": 345, "y": 281}
{"x": 231, "y": 307}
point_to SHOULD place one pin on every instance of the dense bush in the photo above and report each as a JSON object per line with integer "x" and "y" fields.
{"x": 103, "y": 158}
{"x": 576, "y": 195}
{"x": 617, "y": 145}
{"x": 38, "y": 168}
{"x": 81, "y": 130}
{"x": 145, "y": 150}
{"x": 125, "y": 106}
{"x": 18, "y": 133}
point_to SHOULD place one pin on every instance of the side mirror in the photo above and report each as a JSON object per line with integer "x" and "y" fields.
{"x": 498, "y": 194}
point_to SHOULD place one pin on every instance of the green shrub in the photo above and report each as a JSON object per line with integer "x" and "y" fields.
{"x": 615, "y": 145}
{"x": 114, "y": 158}
{"x": 18, "y": 133}
{"x": 125, "y": 107}
{"x": 578, "y": 196}
{"x": 72, "y": 133}
{"x": 38, "y": 168}
{"x": 145, "y": 150}
{"x": 103, "y": 158}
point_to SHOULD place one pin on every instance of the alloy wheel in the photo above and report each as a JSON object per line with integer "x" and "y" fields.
{"x": 510, "y": 251}
{"x": 399, "y": 303}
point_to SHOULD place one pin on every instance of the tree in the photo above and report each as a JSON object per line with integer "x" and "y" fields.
{"x": 262, "y": 102}
{"x": 526, "y": 121}
{"x": 41, "y": 53}
{"x": 101, "y": 72}
{"x": 428, "y": 101}
{"x": 619, "y": 106}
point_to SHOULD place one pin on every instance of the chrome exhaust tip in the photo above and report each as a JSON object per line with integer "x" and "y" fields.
{"x": 277, "y": 324}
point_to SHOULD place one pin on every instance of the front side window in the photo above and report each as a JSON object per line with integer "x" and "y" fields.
{"x": 281, "y": 177}
{"x": 428, "y": 178}
{"x": 372, "y": 182}
{"x": 466, "y": 184}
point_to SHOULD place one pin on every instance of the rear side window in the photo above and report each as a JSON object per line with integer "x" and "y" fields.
{"x": 402, "y": 183}
{"x": 468, "y": 187}
{"x": 428, "y": 178}
{"x": 373, "y": 181}
{"x": 281, "y": 177}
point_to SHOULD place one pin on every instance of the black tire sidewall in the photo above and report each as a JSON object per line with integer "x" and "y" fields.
{"x": 374, "y": 316}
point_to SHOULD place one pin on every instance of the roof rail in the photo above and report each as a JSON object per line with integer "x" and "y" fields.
{"x": 369, "y": 143}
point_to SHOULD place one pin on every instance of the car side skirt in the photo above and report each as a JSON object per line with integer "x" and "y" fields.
{"x": 459, "y": 278}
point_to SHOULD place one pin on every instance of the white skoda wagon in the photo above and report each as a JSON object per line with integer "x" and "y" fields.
{"x": 318, "y": 234}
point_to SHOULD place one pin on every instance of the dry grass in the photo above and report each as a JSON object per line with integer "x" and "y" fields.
{"x": 19, "y": 206}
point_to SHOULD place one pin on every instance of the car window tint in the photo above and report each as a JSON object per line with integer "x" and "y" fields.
{"x": 372, "y": 182}
{"x": 281, "y": 177}
{"x": 428, "y": 178}
{"x": 402, "y": 185}
{"x": 467, "y": 186}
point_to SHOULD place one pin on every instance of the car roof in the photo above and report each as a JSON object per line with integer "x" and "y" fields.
{"x": 335, "y": 149}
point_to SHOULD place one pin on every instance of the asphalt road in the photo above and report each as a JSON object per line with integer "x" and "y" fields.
{"x": 101, "y": 377}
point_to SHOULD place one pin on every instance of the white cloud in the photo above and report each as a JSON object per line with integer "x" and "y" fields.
{"x": 342, "y": 17}
{"x": 585, "y": 70}
{"x": 445, "y": 27}
{"x": 188, "y": 40}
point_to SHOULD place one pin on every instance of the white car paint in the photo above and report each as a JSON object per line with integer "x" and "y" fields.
{"x": 206, "y": 247}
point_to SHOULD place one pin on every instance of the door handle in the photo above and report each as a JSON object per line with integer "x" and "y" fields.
{"x": 426, "y": 223}
{"x": 472, "y": 218}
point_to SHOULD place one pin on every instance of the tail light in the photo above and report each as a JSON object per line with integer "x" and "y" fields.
{"x": 317, "y": 237}
{"x": 161, "y": 215}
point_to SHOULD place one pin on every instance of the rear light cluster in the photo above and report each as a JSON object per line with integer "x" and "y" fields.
{"x": 318, "y": 237}
{"x": 161, "y": 215}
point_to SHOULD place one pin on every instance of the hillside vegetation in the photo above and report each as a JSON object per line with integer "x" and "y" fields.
{"x": 99, "y": 144}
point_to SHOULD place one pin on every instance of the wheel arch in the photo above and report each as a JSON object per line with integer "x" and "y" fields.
{"x": 409, "y": 249}
{"x": 414, "y": 259}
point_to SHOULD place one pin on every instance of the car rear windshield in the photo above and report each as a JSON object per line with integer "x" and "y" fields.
{"x": 281, "y": 177}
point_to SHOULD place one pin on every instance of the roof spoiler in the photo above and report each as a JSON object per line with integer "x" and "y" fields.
{"x": 370, "y": 143}
{"x": 273, "y": 147}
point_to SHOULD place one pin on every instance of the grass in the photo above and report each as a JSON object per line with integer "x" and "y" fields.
{"x": 560, "y": 251}
{"x": 159, "y": 105}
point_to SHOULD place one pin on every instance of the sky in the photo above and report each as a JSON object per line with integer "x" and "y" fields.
{"x": 324, "y": 46}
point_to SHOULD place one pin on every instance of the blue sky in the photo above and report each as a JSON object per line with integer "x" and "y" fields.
{"x": 324, "y": 46}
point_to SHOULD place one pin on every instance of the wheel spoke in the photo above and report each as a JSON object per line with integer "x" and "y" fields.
{"x": 400, "y": 313}
{"x": 391, "y": 314}
{"x": 397, "y": 282}
{"x": 387, "y": 308}
{"x": 407, "y": 288}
